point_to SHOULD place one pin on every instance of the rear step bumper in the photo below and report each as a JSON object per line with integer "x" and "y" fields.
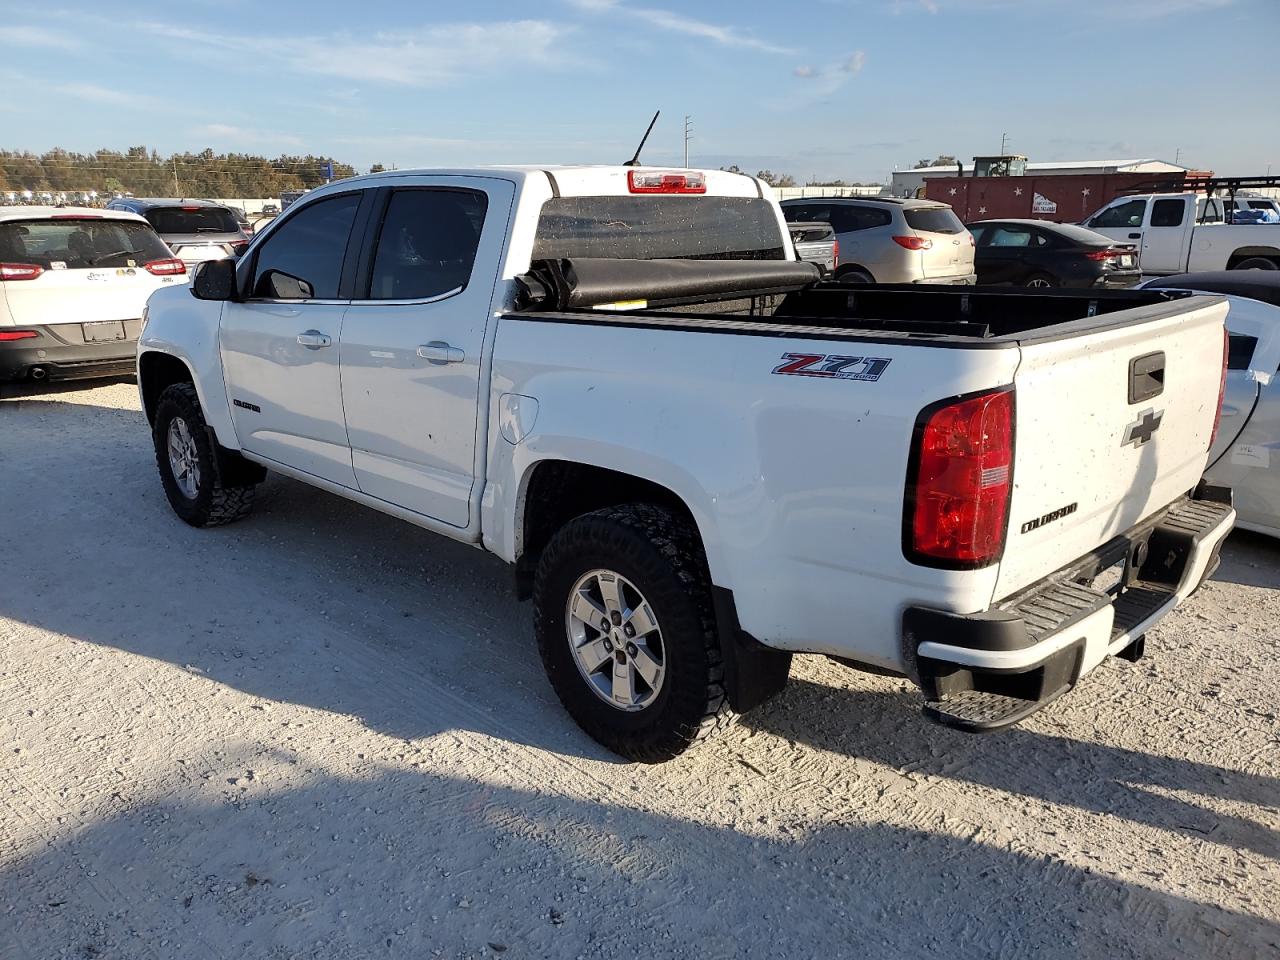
{"x": 985, "y": 671}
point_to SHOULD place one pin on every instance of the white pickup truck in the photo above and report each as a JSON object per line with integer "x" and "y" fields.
{"x": 1187, "y": 233}
{"x": 699, "y": 458}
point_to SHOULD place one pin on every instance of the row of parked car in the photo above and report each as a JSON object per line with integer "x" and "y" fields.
{"x": 890, "y": 240}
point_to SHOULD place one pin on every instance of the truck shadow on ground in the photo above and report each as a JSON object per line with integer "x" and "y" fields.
{"x": 401, "y": 863}
{"x": 1250, "y": 559}
{"x": 1098, "y": 778}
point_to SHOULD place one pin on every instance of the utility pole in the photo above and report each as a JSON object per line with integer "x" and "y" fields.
{"x": 177, "y": 189}
{"x": 1003, "y": 139}
{"x": 1177, "y": 155}
{"x": 688, "y": 135}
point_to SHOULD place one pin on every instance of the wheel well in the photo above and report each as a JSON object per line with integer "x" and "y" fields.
{"x": 846, "y": 267}
{"x": 156, "y": 371}
{"x": 1249, "y": 253}
{"x": 560, "y": 490}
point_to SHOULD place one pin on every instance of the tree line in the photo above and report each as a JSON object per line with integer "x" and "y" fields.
{"x": 144, "y": 172}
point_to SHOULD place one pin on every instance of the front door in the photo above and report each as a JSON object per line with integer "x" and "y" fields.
{"x": 280, "y": 345}
{"x": 413, "y": 338}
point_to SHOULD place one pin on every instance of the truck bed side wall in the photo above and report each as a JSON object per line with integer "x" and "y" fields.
{"x": 796, "y": 482}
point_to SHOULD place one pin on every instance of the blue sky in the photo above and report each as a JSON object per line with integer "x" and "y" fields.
{"x": 848, "y": 88}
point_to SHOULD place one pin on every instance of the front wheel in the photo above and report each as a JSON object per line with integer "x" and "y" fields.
{"x": 624, "y": 624}
{"x": 1040, "y": 280}
{"x": 193, "y": 477}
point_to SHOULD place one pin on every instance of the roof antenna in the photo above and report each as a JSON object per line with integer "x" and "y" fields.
{"x": 635, "y": 161}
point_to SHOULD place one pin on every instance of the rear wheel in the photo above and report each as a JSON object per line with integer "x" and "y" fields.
{"x": 854, "y": 275}
{"x": 624, "y": 623}
{"x": 1256, "y": 263}
{"x": 192, "y": 469}
{"x": 1040, "y": 280}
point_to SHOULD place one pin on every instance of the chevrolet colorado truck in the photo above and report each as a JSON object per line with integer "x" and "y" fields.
{"x": 699, "y": 457}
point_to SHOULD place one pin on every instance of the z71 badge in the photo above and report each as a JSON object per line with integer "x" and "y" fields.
{"x": 837, "y": 368}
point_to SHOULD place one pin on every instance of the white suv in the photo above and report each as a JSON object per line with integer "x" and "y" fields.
{"x": 73, "y": 284}
{"x": 887, "y": 240}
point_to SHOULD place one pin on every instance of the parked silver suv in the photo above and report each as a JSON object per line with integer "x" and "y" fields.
{"x": 195, "y": 230}
{"x": 887, "y": 240}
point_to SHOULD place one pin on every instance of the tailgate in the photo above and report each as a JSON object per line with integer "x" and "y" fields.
{"x": 1103, "y": 438}
{"x": 81, "y": 296}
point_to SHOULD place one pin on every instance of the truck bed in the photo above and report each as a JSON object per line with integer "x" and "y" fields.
{"x": 785, "y": 299}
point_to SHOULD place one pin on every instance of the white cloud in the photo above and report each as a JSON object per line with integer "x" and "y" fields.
{"x": 826, "y": 80}
{"x": 226, "y": 132}
{"x": 37, "y": 37}
{"x": 422, "y": 57}
{"x": 724, "y": 35}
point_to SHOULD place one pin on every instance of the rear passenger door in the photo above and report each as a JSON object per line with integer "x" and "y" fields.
{"x": 413, "y": 339}
{"x": 863, "y": 232}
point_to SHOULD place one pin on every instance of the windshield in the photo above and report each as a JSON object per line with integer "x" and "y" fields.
{"x": 78, "y": 244}
{"x": 650, "y": 228}
{"x": 192, "y": 220}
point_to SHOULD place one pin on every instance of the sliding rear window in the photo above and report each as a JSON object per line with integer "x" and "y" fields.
{"x": 651, "y": 228}
{"x": 79, "y": 244}
{"x": 933, "y": 220}
{"x": 173, "y": 220}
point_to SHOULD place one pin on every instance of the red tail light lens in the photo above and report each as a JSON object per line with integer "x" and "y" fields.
{"x": 166, "y": 268}
{"x": 1104, "y": 254}
{"x": 914, "y": 243}
{"x": 662, "y": 181}
{"x": 1222, "y": 387}
{"x": 10, "y": 335}
{"x": 959, "y": 483}
{"x": 20, "y": 271}
{"x": 835, "y": 254}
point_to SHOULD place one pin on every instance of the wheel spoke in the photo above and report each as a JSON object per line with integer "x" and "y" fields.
{"x": 646, "y": 665}
{"x": 592, "y": 655}
{"x": 624, "y": 687}
{"x": 587, "y": 610}
{"x": 641, "y": 619}
{"x": 611, "y": 591}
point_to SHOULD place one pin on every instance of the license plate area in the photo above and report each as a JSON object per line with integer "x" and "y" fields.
{"x": 103, "y": 332}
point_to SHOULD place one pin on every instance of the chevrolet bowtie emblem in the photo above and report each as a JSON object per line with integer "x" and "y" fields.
{"x": 1142, "y": 429}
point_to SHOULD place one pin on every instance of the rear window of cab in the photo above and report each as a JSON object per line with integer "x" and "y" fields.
{"x": 74, "y": 243}
{"x": 173, "y": 220}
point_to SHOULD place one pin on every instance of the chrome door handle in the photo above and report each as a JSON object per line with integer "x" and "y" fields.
{"x": 437, "y": 351}
{"x": 314, "y": 339}
{"x": 1135, "y": 236}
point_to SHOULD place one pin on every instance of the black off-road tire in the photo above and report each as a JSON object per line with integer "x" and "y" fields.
{"x": 661, "y": 555}
{"x": 216, "y": 502}
{"x": 1257, "y": 263}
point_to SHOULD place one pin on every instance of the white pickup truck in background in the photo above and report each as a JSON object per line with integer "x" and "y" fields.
{"x": 1187, "y": 233}
{"x": 699, "y": 458}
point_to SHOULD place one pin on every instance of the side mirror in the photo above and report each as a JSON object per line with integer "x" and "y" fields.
{"x": 278, "y": 285}
{"x": 214, "y": 280}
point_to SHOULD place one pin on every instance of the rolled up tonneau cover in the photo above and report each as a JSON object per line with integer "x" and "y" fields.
{"x": 584, "y": 282}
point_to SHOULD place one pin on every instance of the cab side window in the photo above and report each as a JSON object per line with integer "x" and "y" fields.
{"x": 303, "y": 259}
{"x": 1167, "y": 213}
{"x": 1128, "y": 214}
{"x": 427, "y": 244}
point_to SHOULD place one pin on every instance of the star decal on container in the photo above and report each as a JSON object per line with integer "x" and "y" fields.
{"x": 1084, "y": 192}
{"x": 953, "y": 191}
{"x": 1017, "y": 191}
{"x": 982, "y": 210}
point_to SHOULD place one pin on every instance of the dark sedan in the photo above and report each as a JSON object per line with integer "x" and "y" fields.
{"x": 1033, "y": 253}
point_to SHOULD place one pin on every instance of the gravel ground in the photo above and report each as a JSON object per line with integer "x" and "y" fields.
{"x": 321, "y": 733}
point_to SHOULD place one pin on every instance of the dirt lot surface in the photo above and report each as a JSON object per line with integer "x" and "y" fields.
{"x": 322, "y": 733}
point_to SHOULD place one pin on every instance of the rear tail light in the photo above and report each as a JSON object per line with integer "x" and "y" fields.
{"x": 1222, "y": 387}
{"x": 9, "y": 335}
{"x": 20, "y": 271}
{"x": 914, "y": 243}
{"x": 1104, "y": 254}
{"x": 959, "y": 482}
{"x": 835, "y": 254}
{"x": 665, "y": 181}
{"x": 167, "y": 267}
{"x": 972, "y": 242}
